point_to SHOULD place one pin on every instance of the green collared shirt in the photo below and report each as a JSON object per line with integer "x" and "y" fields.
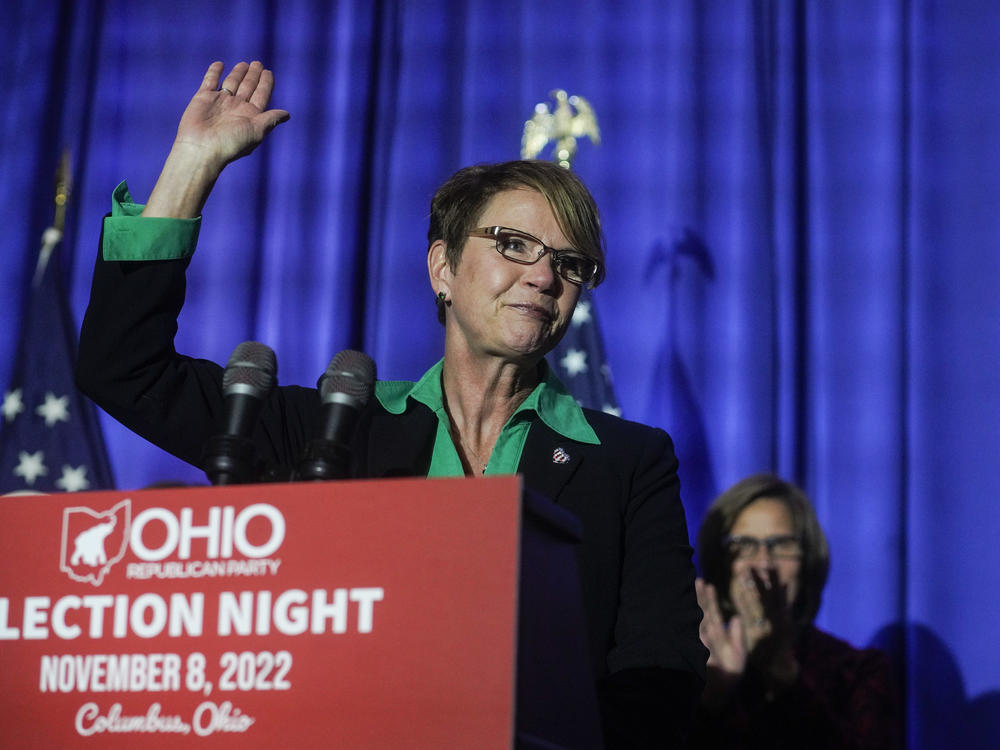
{"x": 549, "y": 401}
{"x": 129, "y": 236}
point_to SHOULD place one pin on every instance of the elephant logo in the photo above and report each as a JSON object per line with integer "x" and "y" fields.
{"x": 88, "y": 546}
{"x": 93, "y": 541}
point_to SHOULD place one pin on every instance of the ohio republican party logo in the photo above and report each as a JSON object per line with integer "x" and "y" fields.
{"x": 93, "y": 541}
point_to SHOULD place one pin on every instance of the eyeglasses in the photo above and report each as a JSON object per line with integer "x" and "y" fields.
{"x": 522, "y": 248}
{"x": 782, "y": 547}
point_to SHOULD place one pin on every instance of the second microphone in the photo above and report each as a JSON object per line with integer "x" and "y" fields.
{"x": 344, "y": 390}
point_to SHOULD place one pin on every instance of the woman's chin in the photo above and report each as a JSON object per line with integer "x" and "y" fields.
{"x": 528, "y": 341}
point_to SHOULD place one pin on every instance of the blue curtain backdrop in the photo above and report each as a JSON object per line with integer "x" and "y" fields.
{"x": 801, "y": 203}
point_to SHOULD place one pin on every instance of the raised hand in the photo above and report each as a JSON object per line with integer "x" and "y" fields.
{"x": 230, "y": 121}
{"x": 219, "y": 125}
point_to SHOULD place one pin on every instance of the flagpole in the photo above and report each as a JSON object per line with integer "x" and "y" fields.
{"x": 579, "y": 358}
{"x": 50, "y": 439}
{"x": 54, "y": 233}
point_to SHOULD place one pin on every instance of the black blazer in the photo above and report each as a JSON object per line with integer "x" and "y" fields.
{"x": 636, "y": 569}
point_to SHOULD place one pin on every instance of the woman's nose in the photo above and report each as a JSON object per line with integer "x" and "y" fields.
{"x": 541, "y": 273}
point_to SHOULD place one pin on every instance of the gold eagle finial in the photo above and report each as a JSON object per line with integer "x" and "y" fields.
{"x": 572, "y": 118}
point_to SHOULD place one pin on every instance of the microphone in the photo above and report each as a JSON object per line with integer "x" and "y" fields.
{"x": 249, "y": 377}
{"x": 344, "y": 390}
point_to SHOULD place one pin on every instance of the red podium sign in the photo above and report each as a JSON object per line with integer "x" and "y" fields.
{"x": 362, "y": 614}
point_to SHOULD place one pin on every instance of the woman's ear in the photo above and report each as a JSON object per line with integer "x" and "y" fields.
{"x": 438, "y": 269}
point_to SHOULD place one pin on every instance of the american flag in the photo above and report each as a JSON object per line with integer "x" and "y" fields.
{"x": 580, "y": 363}
{"x": 50, "y": 437}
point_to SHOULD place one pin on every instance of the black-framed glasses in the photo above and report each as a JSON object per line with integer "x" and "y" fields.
{"x": 779, "y": 547}
{"x": 523, "y": 248}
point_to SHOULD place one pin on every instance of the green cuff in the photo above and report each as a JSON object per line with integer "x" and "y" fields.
{"x": 129, "y": 236}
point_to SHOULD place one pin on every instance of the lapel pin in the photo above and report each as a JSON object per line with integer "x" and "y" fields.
{"x": 559, "y": 456}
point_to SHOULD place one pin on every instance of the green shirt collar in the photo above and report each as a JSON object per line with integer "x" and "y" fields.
{"x": 549, "y": 400}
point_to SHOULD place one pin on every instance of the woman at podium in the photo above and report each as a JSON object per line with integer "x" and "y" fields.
{"x": 509, "y": 248}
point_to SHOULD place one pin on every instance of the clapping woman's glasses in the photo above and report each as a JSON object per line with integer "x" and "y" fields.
{"x": 784, "y": 546}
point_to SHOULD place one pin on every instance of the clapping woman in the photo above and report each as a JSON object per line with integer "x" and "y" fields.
{"x": 774, "y": 679}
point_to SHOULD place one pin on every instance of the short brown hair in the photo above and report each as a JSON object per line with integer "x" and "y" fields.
{"x": 459, "y": 203}
{"x": 716, "y": 562}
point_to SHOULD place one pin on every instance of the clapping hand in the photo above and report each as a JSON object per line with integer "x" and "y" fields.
{"x": 762, "y": 604}
{"x": 761, "y": 632}
{"x": 724, "y": 640}
{"x": 727, "y": 653}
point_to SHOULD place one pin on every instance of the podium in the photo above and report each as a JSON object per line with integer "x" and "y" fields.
{"x": 402, "y": 613}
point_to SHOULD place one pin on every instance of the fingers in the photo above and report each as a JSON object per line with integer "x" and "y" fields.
{"x": 746, "y": 594}
{"x": 711, "y": 621}
{"x": 230, "y": 117}
{"x": 244, "y": 81}
{"x": 232, "y": 81}
{"x": 771, "y": 592}
{"x": 251, "y": 77}
{"x": 762, "y": 586}
{"x": 736, "y": 631}
{"x": 748, "y": 603}
{"x": 701, "y": 592}
{"x": 250, "y": 82}
{"x": 211, "y": 80}
{"x": 723, "y": 640}
{"x": 274, "y": 117}
{"x": 709, "y": 603}
{"x": 263, "y": 86}
{"x": 735, "y": 650}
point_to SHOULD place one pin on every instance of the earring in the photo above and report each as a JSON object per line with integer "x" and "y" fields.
{"x": 442, "y": 298}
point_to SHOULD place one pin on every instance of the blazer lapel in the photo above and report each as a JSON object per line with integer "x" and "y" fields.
{"x": 401, "y": 445}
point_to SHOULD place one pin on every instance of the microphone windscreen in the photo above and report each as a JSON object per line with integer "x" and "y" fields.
{"x": 349, "y": 379}
{"x": 252, "y": 370}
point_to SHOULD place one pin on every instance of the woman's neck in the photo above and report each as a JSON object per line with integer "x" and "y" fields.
{"x": 479, "y": 400}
